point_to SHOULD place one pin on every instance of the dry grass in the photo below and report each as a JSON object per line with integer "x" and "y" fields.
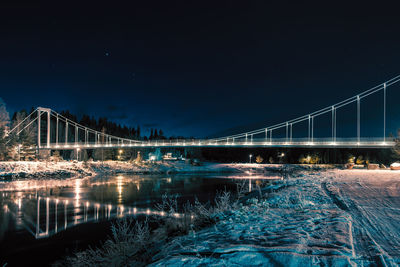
{"x": 127, "y": 246}
{"x": 134, "y": 243}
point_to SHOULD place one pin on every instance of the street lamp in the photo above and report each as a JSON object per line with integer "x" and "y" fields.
{"x": 251, "y": 155}
{"x": 77, "y": 153}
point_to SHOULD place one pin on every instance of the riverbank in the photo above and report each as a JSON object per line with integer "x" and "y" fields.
{"x": 64, "y": 169}
{"x": 330, "y": 218}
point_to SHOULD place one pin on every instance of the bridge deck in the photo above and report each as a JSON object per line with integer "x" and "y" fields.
{"x": 205, "y": 143}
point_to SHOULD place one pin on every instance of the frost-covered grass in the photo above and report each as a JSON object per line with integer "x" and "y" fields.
{"x": 31, "y": 169}
{"x": 63, "y": 169}
{"x": 332, "y": 218}
{"x": 129, "y": 245}
{"x": 135, "y": 244}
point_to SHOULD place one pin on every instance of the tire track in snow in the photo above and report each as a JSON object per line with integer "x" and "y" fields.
{"x": 375, "y": 253}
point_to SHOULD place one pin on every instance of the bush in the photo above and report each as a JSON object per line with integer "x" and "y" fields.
{"x": 259, "y": 159}
{"x": 134, "y": 244}
{"x": 127, "y": 246}
{"x": 360, "y": 160}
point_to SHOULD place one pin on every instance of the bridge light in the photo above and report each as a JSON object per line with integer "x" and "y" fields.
{"x": 250, "y": 156}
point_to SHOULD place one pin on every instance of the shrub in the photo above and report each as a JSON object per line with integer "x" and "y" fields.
{"x": 360, "y": 160}
{"x": 259, "y": 159}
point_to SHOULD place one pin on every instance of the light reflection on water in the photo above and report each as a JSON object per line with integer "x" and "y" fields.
{"x": 44, "y": 208}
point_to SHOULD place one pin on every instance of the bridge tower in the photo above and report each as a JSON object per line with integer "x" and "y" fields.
{"x": 40, "y": 112}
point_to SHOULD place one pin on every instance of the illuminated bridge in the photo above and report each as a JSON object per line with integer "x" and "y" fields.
{"x": 56, "y": 132}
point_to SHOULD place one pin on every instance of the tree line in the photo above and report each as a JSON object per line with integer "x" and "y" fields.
{"x": 104, "y": 125}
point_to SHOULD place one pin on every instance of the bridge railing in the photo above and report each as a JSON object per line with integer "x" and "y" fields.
{"x": 260, "y": 142}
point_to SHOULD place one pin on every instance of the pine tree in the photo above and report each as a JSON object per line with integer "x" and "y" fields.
{"x": 151, "y": 134}
{"x": 161, "y": 134}
{"x": 138, "y": 132}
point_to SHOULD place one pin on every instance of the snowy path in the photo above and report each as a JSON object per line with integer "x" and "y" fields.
{"x": 333, "y": 218}
{"x": 372, "y": 198}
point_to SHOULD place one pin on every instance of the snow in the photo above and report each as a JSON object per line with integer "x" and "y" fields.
{"x": 62, "y": 169}
{"x": 317, "y": 216}
{"x": 334, "y": 218}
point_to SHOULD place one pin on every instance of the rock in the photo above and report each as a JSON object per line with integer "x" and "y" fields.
{"x": 395, "y": 166}
{"x": 349, "y": 166}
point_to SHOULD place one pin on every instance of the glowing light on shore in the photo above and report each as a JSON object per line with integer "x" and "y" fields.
{"x": 77, "y": 192}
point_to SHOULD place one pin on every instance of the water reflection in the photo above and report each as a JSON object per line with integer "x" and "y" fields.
{"x": 119, "y": 186}
{"x": 47, "y": 207}
{"x": 88, "y": 212}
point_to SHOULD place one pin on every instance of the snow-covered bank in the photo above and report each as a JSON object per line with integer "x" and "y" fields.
{"x": 38, "y": 169}
{"x": 64, "y": 169}
{"x": 334, "y": 218}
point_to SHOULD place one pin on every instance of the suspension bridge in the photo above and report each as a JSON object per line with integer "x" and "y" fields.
{"x": 56, "y": 132}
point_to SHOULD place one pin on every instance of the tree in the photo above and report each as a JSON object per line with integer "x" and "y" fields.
{"x": 360, "y": 160}
{"x": 138, "y": 132}
{"x": 4, "y": 123}
{"x": 271, "y": 160}
{"x": 26, "y": 137}
{"x": 396, "y": 148}
{"x": 161, "y": 134}
{"x": 350, "y": 158}
{"x": 303, "y": 160}
{"x": 259, "y": 159}
{"x": 315, "y": 158}
{"x": 151, "y": 134}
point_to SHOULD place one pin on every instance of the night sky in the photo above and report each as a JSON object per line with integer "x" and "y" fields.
{"x": 196, "y": 68}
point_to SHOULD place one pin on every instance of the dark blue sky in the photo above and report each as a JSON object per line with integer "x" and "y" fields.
{"x": 196, "y": 68}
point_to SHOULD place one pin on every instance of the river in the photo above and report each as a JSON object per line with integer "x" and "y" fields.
{"x": 44, "y": 220}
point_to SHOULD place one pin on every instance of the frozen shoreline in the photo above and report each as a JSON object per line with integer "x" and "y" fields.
{"x": 329, "y": 218}
{"x": 319, "y": 215}
{"x": 65, "y": 169}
